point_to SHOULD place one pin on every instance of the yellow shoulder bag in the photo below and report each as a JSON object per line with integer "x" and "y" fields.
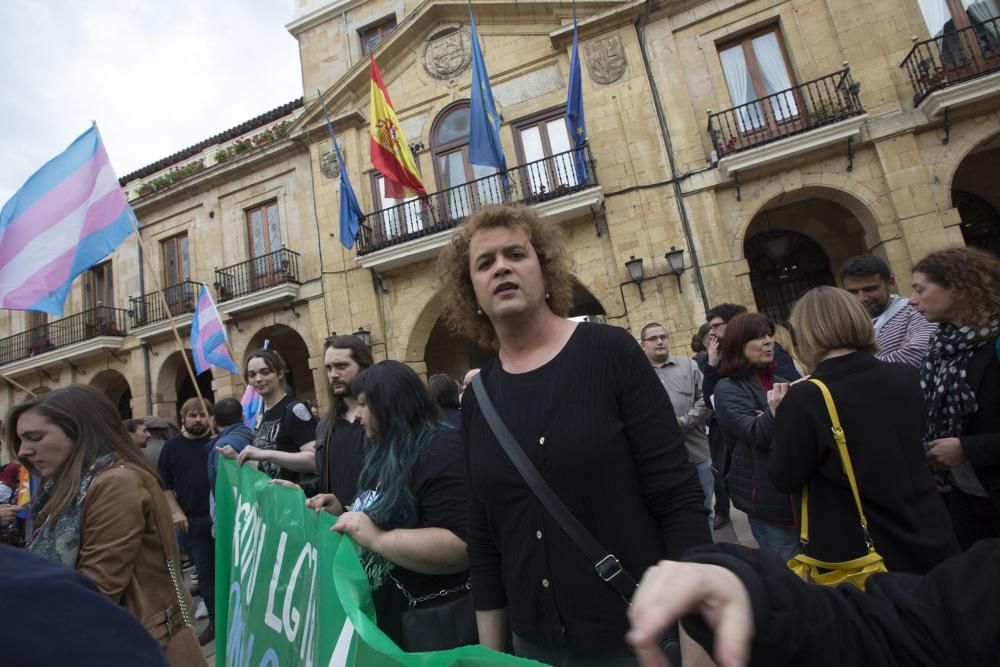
{"x": 847, "y": 572}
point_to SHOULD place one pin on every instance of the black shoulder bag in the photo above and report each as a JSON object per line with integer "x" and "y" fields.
{"x": 606, "y": 565}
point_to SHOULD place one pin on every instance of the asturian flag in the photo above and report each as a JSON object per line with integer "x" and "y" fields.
{"x": 67, "y": 217}
{"x": 390, "y": 151}
{"x": 208, "y": 337}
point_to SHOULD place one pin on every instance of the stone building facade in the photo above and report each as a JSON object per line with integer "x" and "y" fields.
{"x": 768, "y": 140}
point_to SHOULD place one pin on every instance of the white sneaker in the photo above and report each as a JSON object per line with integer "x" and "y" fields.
{"x": 202, "y": 611}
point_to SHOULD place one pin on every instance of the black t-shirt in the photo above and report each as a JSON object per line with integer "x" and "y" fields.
{"x": 183, "y": 465}
{"x": 439, "y": 484}
{"x": 286, "y": 427}
{"x": 340, "y": 456}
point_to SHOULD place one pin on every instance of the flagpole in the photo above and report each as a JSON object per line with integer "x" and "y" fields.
{"x": 170, "y": 317}
{"x": 18, "y": 385}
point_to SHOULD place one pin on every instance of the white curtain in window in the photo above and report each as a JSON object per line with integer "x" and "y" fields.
{"x": 734, "y": 66}
{"x": 772, "y": 65}
{"x": 936, "y": 14}
{"x": 984, "y": 10}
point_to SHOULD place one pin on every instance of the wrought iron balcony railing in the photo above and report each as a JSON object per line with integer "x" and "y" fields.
{"x": 149, "y": 308}
{"x": 953, "y": 57}
{"x": 799, "y": 109}
{"x": 84, "y": 326}
{"x": 253, "y": 275}
{"x": 532, "y": 183}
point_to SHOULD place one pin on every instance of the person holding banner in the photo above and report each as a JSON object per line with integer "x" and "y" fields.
{"x": 285, "y": 441}
{"x": 409, "y": 517}
{"x": 102, "y": 510}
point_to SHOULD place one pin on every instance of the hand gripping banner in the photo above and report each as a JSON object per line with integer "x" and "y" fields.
{"x": 292, "y": 593}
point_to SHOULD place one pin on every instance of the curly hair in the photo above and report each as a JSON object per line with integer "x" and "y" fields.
{"x": 973, "y": 274}
{"x": 461, "y": 307}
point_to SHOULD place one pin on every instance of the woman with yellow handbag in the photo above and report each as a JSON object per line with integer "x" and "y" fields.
{"x": 850, "y": 441}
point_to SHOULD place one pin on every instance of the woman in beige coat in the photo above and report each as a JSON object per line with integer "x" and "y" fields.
{"x": 101, "y": 510}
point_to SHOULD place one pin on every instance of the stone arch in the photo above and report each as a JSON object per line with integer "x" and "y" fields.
{"x": 862, "y": 208}
{"x": 975, "y": 196}
{"x": 441, "y": 351}
{"x": 798, "y": 240}
{"x": 292, "y": 346}
{"x": 174, "y": 385}
{"x": 115, "y": 386}
{"x": 964, "y": 143}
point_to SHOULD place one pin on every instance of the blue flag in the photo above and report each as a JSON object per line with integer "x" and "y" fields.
{"x": 574, "y": 110}
{"x": 484, "y": 121}
{"x": 351, "y": 214}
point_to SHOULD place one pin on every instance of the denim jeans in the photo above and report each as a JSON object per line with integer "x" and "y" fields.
{"x": 776, "y": 539}
{"x": 707, "y": 480}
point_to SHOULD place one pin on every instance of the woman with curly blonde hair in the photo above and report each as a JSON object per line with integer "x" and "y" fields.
{"x": 960, "y": 289}
{"x": 585, "y": 405}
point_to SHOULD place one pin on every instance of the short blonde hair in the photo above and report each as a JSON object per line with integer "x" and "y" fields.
{"x": 827, "y": 318}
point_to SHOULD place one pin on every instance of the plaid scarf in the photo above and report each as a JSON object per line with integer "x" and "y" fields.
{"x": 59, "y": 539}
{"x": 942, "y": 377}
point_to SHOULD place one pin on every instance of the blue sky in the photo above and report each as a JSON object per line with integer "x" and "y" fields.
{"x": 157, "y": 76}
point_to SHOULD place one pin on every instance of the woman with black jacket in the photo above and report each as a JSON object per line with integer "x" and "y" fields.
{"x": 747, "y": 370}
{"x": 960, "y": 289}
{"x": 880, "y": 406}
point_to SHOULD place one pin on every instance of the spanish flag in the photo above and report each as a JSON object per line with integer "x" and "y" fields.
{"x": 390, "y": 152}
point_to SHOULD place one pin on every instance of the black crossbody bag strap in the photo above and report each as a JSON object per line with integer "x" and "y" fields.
{"x": 606, "y": 565}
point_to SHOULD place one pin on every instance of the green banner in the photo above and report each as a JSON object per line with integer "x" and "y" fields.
{"x": 289, "y": 591}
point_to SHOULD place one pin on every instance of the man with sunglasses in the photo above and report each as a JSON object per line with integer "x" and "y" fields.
{"x": 682, "y": 379}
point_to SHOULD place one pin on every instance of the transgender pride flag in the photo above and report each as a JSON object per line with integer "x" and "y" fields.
{"x": 208, "y": 336}
{"x": 69, "y": 215}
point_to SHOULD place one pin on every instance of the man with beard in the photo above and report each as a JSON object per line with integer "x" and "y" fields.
{"x": 183, "y": 466}
{"x": 903, "y": 334}
{"x": 340, "y": 437}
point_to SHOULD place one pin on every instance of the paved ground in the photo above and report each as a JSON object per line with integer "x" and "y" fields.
{"x": 737, "y": 530}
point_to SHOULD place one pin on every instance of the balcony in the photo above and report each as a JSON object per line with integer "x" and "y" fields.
{"x": 791, "y": 122}
{"x": 149, "y": 312}
{"x": 270, "y": 278}
{"x": 955, "y": 68}
{"x": 63, "y": 339}
{"x": 417, "y": 228}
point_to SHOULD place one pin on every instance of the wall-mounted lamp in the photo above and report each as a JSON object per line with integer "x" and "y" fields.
{"x": 364, "y": 335}
{"x": 675, "y": 264}
{"x": 635, "y": 273}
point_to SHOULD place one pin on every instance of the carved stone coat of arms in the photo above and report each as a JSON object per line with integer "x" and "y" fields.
{"x": 447, "y": 52}
{"x": 605, "y": 59}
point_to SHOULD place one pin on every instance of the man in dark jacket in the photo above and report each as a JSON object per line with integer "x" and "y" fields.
{"x": 228, "y": 417}
{"x": 762, "y": 614}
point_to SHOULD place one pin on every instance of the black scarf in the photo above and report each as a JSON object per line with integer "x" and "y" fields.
{"x": 942, "y": 377}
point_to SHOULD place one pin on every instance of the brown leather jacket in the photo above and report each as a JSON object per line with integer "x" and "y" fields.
{"x": 126, "y": 537}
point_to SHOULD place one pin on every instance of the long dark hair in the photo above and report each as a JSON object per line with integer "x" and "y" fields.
{"x": 741, "y": 330}
{"x": 87, "y": 418}
{"x": 360, "y": 353}
{"x": 407, "y": 419}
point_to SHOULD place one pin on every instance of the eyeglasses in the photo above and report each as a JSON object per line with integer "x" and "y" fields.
{"x": 651, "y": 339}
{"x": 716, "y": 325}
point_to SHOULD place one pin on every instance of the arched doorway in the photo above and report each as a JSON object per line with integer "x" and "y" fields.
{"x": 796, "y": 244}
{"x": 975, "y": 195}
{"x": 174, "y": 385}
{"x": 292, "y": 347}
{"x": 114, "y": 385}
{"x": 447, "y": 352}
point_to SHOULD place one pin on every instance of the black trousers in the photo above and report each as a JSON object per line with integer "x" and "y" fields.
{"x": 200, "y": 546}
{"x": 720, "y": 461}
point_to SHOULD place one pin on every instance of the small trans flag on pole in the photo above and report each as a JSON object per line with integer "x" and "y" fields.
{"x": 253, "y": 405}
{"x": 67, "y": 217}
{"x": 208, "y": 337}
